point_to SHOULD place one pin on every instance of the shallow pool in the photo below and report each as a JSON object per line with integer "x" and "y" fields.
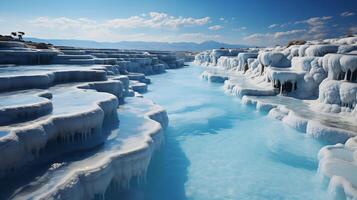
{"x": 217, "y": 148}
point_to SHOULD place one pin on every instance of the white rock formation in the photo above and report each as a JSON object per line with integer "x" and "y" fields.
{"x": 325, "y": 73}
{"x": 113, "y": 166}
{"x": 337, "y": 167}
{"x": 77, "y": 112}
{"x": 69, "y": 127}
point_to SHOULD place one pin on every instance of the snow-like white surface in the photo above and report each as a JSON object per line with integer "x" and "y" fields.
{"x": 72, "y": 115}
{"x": 243, "y": 60}
{"x": 215, "y": 76}
{"x": 138, "y": 86}
{"x": 339, "y": 66}
{"x": 40, "y": 128}
{"x": 127, "y": 153}
{"x": 240, "y": 88}
{"x": 275, "y": 59}
{"x": 219, "y": 57}
{"x": 311, "y": 71}
{"x": 27, "y": 77}
{"x": 228, "y": 62}
{"x": 339, "y": 93}
{"x": 21, "y": 105}
{"x": 300, "y": 116}
{"x": 337, "y": 166}
{"x": 326, "y": 70}
{"x": 77, "y": 116}
{"x": 320, "y": 50}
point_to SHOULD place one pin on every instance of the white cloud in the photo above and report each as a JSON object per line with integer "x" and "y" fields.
{"x": 347, "y": 14}
{"x": 222, "y": 19}
{"x": 315, "y": 21}
{"x": 240, "y": 28}
{"x": 215, "y": 27}
{"x": 317, "y": 27}
{"x": 288, "y": 34}
{"x": 275, "y": 37}
{"x": 64, "y": 23}
{"x": 257, "y": 36}
{"x": 117, "y": 29}
{"x": 311, "y": 28}
{"x": 152, "y": 20}
{"x": 273, "y": 25}
{"x": 66, "y": 28}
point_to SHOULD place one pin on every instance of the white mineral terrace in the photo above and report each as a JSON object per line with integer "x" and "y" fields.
{"x": 125, "y": 154}
{"x": 77, "y": 102}
{"x": 310, "y": 87}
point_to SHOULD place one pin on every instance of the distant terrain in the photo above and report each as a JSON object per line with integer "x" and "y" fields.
{"x": 174, "y": 46}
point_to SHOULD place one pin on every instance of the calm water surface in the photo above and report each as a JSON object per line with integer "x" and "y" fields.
{"x": 217, "y": 148}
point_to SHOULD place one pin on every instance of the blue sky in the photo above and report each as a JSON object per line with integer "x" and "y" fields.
{"x": 241, "y": 21}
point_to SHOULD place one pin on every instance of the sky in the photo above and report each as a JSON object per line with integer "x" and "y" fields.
{"x": 252, "y": 22}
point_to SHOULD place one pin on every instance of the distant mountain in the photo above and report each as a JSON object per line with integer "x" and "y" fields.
{"x": 170, "y": 46}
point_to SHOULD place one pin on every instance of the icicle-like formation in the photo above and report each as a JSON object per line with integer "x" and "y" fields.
{"x": 337, "y": 168}
{"x": 114, "y": 166}
{"x": 339, "y": 93}
{"x": 56, "y": 133}
{"x": 341, "y": 67}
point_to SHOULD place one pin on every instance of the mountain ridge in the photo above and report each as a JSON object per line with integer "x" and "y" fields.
{"x": 169, "y": 46}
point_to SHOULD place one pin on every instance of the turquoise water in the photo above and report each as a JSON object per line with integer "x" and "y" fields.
{"x": 217, "y": 148}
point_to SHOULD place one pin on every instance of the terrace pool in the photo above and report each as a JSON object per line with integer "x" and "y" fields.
{"x": 217, "y": 148}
